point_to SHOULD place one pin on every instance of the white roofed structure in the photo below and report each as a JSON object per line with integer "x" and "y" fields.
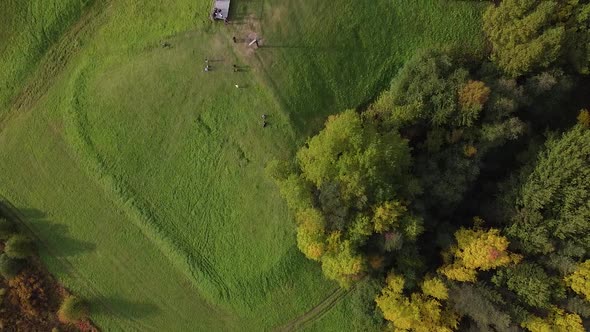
{"x": 220, "y": 10}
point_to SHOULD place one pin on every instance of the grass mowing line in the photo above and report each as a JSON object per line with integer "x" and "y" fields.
{"x": 14, "y": 213}
{"x": 55, "y": 60}
{"x": 316, "y": 312}
{"x": 198, "y": 269}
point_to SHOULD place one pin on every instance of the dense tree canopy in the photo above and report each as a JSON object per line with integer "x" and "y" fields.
{"x": 554, "y": 205}
{"x": 390, "y": 196}
{"x": 529, "y": 282}
{"x": 452, "y": 118}
{"x": 479, "y": 307}
{"x": 534, "y": 34}
{"x": 354, "y": 183}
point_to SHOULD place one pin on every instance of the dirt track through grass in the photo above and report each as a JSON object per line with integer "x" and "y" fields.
{"x": 55, "y": 60}
{"x": 316, "y": 312}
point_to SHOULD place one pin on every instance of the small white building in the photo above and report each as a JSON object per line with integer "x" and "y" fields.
{"x": 220, "y": 10}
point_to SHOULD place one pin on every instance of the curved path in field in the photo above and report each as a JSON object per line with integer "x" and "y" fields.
{"x": 55, "y": 60}
{"x": 47, "y": 70}
{"x": 316, "y": 312}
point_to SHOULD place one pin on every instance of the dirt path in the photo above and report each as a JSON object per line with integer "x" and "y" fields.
{"x": 316, "y": 312}
{"x": 54, "y": 61}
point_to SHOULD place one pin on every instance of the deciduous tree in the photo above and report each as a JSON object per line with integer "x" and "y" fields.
{"x": 557, "y": 321}
{"x": 420, "y": 312}
{"x": 579, "y": 281}
{"x": 311, "y": 233}
{"x": 477, "y": 250}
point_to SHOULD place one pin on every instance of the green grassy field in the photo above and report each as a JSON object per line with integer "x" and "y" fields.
{"x": 146, "y": 175}
{"x": 27, "y": 31}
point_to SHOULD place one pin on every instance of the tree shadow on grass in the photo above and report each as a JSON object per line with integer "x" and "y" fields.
{"x": 121, "y": 307}
{"x": 55, "y": 237}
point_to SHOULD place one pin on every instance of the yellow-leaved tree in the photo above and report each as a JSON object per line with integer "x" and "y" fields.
{"x": 579, "y": 281}
{"x": 387, "y": 215}
{"x": 477, "y": 249}
{"x": 421, "y": 312}
{"x": 557, "y": 321}
{"x": 311, "y": 233}
{"x": 341, "y": 262}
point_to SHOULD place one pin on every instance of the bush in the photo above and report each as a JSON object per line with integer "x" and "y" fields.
{"x": 19, "y": 246}
{"x": 6, "y": 229}
{"x": 72, "y": 310}
{"x": 9, "y": 268}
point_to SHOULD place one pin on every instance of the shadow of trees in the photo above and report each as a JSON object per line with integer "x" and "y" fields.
{"x": 55, "y": 236}
{"x": 54, "y": 240}
{"x": 124, "y": 308}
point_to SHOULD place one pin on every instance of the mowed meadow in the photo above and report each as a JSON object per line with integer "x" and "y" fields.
{"x": 143, "y": 175}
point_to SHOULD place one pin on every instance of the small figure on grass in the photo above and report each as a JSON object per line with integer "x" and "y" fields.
{"x": 234, "y": 39}
{"x": 236, "y": 69}
{"x": 264, "y": 123}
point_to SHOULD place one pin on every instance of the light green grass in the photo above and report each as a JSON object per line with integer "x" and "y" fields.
{"x": 27, "y": 31}
{"x": 337, "y": 319}
{"x": 156, "y": 168}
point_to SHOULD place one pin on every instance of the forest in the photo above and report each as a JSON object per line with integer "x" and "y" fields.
{"x": 459, "y": 198}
